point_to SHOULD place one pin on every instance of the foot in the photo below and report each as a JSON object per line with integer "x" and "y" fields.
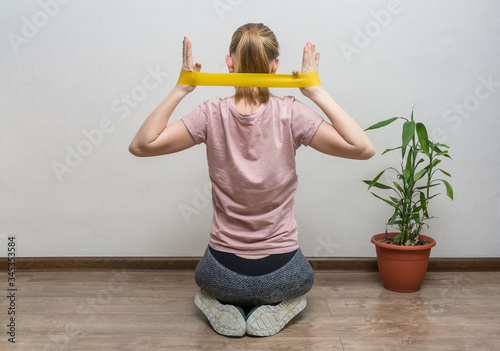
{"x": 225, "y": 319}
{"x": 269, "y": 320}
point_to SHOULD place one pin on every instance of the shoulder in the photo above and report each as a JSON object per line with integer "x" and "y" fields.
{"x": 282, "y": 104}
{"x": 211, "y": 107}
{"x": 289, "y": 105}
{"x": 278, "y": 100}
{"x": 217, "y": 102}
{"x": 287, "y": 101}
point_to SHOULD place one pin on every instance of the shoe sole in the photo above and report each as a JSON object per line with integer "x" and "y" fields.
{"x": 269, "y": 320}
{"x": 224, "y": 319}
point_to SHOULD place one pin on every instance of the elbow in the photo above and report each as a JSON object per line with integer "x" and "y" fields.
{"x": 368, "y": 152}
{"x": 136, "y": 151}
{"x": 364, "y": 152}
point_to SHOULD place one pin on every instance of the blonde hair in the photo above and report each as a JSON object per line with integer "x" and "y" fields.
{"x": 255, "y": 46}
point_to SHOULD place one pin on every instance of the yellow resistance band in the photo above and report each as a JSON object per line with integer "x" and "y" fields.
{"x": 250, "y": 79}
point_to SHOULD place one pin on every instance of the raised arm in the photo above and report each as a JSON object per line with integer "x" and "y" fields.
{"x": 155, "y": 137}
{"x": 343, "y": 137}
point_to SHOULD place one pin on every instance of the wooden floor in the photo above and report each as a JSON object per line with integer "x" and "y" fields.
{"x": 154, "y": 310}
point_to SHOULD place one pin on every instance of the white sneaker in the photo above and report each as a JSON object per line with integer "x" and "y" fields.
{"x": 225, "y": 319}
{"x": 269, "y": 320}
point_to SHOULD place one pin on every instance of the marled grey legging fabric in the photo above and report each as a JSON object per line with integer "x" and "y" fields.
{"x": 293, "y": 279}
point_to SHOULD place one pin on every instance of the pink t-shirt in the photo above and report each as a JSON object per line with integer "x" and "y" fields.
{"x": 251, "y": 160}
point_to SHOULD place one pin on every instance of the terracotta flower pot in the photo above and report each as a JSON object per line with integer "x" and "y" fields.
{"x": 402, "y": 268}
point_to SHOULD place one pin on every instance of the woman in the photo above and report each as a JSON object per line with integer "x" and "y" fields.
{"x": 253, "y": 276}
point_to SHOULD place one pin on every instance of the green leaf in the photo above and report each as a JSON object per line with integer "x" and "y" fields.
{"x": 425, "y": 186}
{"x": 423, "y": 206}
{"x": 422, "y": 197}
{"x": 396, "y": 184}
{"x": 423, "y": 137}
{"x": 372, "y": 182}
{"x": 398, "y": 238}
{"x": 433, "y": 196}
{"x": 416, "y": 218}
{"x": 408, "y": 132}
{"x": 419, "y": 174}
{"x": 408, "y": 161}
{"x": 444, "y": 153}
{"x": 395, "y": 200}
{"x": 387, "y": 150}
{"x": 435, "y": 162}
{"x": 376, "y": 185}
{"x": 441, "y": 153}
{"x": 446, "y": 173}
{"x": 449, "y": 189}
{"x": 393, "y": 218}
{"x": 436, "y": 148}
{"x": 406, "y": 174}
{"x": 382, "y": 123}
{"x": 386, "y": 201}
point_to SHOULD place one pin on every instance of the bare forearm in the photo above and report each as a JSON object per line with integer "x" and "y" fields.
{"x": 345, "y": 125}
{"x": 158, "y": 119}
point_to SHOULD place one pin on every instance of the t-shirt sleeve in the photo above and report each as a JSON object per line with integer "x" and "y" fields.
{"x": 196, "y": 123}
{"x": 305, "y": 123}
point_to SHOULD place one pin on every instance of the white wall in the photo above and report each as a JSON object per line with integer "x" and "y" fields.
{"x": 66, "y": 67}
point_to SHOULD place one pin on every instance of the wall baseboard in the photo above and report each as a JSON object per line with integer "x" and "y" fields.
{"x": 338, "y": 264}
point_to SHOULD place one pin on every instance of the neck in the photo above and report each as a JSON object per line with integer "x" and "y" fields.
{"x": 246, "y": 107}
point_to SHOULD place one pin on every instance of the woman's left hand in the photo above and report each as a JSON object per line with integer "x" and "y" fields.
{"x": 187, "y": 64}
{"x": 310, "y": 63}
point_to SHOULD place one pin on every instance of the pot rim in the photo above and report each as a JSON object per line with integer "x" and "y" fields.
{"x": 430, "y": 243}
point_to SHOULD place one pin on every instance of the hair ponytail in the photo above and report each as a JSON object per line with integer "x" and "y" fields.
{"x": 255, "y": 46}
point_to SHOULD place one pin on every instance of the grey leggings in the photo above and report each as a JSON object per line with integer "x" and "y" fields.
{"x": 293, "y": 279}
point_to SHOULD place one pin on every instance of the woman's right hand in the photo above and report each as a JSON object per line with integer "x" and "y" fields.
{"x": 187, "y": 64}
{"x": 310, "y": 63}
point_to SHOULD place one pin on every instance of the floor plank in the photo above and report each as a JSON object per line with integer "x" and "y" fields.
{"x": 154, "y": 310}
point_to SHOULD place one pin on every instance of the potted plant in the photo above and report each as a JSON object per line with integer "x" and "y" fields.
{"x": 403, "y": 256}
